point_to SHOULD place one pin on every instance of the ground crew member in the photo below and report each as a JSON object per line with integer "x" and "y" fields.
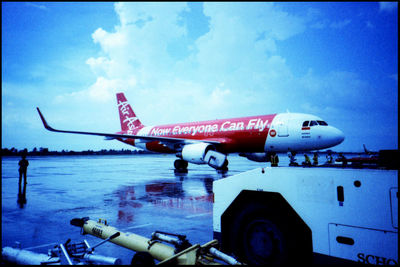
{"x": 307, "y": 161}
{"x": 23, "y": 167}
{"x": 315, "y": 159}
{"x": 292, "y": 157}
{"x": 329, "y": 158}
{"x": 274, "y": 160}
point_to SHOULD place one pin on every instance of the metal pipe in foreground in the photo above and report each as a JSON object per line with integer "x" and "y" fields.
{"x": 26, "y": 257}
{"x": 131, "y": 241}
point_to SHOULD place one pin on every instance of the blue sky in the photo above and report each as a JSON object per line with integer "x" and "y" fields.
{"x": 179, "y": 62}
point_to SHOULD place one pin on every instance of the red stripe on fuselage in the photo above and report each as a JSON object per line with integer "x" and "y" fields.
{"x": 246, "y": 134}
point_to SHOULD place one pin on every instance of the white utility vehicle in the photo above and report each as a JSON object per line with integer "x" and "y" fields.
{"x": 295, "y": 214}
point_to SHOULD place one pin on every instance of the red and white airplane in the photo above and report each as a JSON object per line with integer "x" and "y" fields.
{"x": 209, "y": 142}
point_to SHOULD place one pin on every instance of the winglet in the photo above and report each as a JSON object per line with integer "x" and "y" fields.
{"x": 46, "y": 125}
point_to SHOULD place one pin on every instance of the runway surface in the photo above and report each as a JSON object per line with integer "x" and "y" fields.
{"x": 135, "y": 193}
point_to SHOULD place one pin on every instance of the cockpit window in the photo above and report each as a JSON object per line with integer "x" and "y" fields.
{"x": 313, "y": 123}
{"x": 305, "y": 124}
{"x": 323, "y": 123}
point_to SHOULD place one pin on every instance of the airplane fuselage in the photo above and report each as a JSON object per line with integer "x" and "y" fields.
{"x": 265, "y": 133}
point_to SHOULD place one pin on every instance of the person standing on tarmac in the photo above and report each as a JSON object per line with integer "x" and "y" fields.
{"x": 292, "y": 158}
{"x": 23, "y": 167}
{"x": 315, "y": 159}
{"x": 274, "y": 160}
{"x": 329, "y": 158}
{"x": 306, "y": 161}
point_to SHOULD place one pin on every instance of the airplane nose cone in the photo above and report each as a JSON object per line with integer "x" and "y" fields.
{"x": 329, "y": 136}
{"x": 337, "y": 136}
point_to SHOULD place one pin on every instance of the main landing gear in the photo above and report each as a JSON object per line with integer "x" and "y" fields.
{"x": 181, "y": 166}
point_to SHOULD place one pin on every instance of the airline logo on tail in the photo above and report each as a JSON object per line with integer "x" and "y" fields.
{"x": 129, "y": 121}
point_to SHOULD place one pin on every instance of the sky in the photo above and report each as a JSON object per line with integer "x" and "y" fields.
{"x": 181, "y": 62}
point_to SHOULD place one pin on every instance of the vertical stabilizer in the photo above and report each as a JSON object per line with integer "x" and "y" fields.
{"x": 129, "y": 121}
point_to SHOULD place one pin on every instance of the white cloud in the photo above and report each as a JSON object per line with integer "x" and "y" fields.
{"x": 36, "y": 5}
{"x": 319, "y": 24}
{"x": 316, "y": 19}
{"x": 325, "y": 23}
{"x": 103, "y": 90}
{"x": 387, "y": 6}
{"x": 100, "y": 66}
{"x": 234, "y": 69}
{"x": 220, "y": 97}
{"x": 138, "y": 47}
{"x": 336, "y": 89}
{"x": 243, "y": 34}
{"x": 241, "y": 47}
{"x": 370, "y": 25}
{"x": 395, "y": 77}
{"x": 340, "y": 24}
{"x": 228, "y": 70}
{"x": 110, "y": 42}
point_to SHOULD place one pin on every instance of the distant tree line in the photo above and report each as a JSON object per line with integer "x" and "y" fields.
{"x": 42, "y": 151}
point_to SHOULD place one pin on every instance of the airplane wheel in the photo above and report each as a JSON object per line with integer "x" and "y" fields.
{"x": 224, "y": 166}
{"x": 180, "y": 164}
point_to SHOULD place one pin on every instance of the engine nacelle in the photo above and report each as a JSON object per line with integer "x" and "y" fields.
{"x": 195, "y": 153}
{"x": 203, "y": 153}
{"x": 258, "y": 157}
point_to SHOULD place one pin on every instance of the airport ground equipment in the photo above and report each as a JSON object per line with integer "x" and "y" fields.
{"x": 149, "y": 249}
{"x": 63, "y": 254}
{"x": 294, "y": 215}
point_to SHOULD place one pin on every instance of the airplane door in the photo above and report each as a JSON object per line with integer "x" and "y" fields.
{"x": 282, "y": 128}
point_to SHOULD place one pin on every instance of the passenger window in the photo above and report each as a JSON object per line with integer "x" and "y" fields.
{"x": 305, "y": 124}
{"x": 323, "y": 123}
{"x": 313, "y": 123}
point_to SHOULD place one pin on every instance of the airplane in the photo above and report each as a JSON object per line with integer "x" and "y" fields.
{"x": 369, "y": 152}
{"x": 209, "y": 142}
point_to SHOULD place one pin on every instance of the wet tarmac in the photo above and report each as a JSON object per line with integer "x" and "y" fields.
{"x": 135, "y": 193}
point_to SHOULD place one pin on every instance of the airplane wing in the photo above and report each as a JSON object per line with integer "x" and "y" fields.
{"x": 110, "y": 136}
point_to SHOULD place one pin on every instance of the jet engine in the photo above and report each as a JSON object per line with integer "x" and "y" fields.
{"x": 203, "y": 153}
{"x": 258, "y": 157}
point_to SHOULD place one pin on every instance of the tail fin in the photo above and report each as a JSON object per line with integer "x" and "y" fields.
{"x": 129, "y": 121}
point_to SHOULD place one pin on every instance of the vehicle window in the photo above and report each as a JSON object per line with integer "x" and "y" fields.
{"x": 313, "y": 123}
{"x": 323, "y": 123}
{"x": 305, "y": 124}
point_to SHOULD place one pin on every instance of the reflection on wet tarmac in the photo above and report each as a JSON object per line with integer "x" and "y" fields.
{"x": 138, "y": 193}
{"x": 190, "y": 197}
{"x": 21, "y": 200}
